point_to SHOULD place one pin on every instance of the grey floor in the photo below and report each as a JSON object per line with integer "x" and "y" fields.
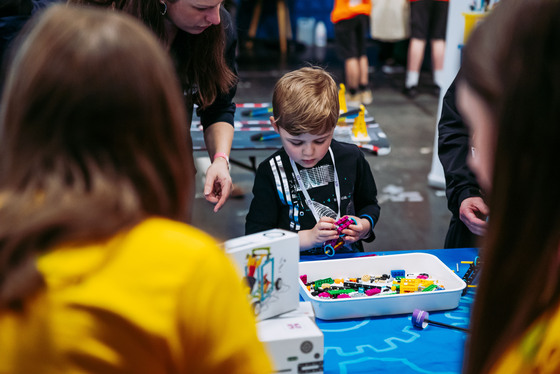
{"x": 413, "y": 214}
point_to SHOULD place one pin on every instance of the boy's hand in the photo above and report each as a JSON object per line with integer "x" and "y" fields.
{"x": 358, "y": 231}
{"x": 324, "y": 230}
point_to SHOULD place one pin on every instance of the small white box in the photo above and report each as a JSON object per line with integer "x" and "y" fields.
{"x": 305, "y": 308}
{"x": 380, "y": 305}
{"x": 294, "y": 344}
{"x": 268, "y": 261}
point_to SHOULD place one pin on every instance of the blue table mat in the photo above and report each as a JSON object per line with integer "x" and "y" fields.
{"x": 391, "y": 344}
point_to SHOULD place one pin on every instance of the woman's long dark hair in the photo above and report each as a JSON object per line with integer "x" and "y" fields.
{"x": 87, "y": 148}
{"x": 202, "y": 66}
{"x": 512, "y": 61}
{"x": 199, "y": 59}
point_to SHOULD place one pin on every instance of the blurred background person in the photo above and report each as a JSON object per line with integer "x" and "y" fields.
{"x": 428, "y": 21}
{"x": 464, "y": 196}
{"x": 351, "y": 26}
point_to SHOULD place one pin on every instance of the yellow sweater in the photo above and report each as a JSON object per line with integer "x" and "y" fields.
{"x": 161, "y": 298}
{"x": 538, "y": 350}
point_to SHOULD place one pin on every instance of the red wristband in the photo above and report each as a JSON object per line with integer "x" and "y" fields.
{"x": 222, "y": 155}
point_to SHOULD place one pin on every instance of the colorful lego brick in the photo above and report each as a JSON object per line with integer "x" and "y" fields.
{"x": 338, "y": 292}
{"x": 359, "y": 128}
{"x": 342, "y": 98}
{"x": 398, "y": 273}
{"x": 373, "y": 291}
{"x": 409, "y": 285}
{"x": 431, "y": 287}
{"x": 425, "y": 282}
{"x": 342, "y": 224}
{"x": 319, "y": 282}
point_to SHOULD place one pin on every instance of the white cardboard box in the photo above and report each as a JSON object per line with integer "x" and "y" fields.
{"x": 380, "y": 305}
{"x": 295, "y": 344}
{"x": 268, "y": 261}
{"x": 305, "y": 308}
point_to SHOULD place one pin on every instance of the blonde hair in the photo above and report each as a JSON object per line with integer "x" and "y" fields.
{"x": 306, "y": 101}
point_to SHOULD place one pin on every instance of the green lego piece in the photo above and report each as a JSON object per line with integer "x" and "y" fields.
{"x": 338, "y": 292}
{"x": 431, "y": 287}
{"x": 319, "y": 282}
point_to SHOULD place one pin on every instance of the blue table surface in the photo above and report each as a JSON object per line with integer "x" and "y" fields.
{"x": 247, "y": 125}
{"x": 391, "y": 344}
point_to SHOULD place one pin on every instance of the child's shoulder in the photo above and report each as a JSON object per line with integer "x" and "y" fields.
{"x": 281, "y": 153}
{"x": 347, "y": 156}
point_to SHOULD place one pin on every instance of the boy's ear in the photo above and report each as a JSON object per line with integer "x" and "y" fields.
{"x": 273, "y": 123}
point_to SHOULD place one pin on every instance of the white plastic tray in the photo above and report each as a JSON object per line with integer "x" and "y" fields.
{"x": 387, "y": 304}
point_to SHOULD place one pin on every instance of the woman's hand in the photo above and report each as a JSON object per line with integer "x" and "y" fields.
{"x": 218, "y": 185}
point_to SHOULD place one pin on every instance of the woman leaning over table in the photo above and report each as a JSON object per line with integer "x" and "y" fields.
{"x": 202, "y": 41}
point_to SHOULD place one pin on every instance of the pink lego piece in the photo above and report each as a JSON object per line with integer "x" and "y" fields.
{"x": 303, "y": 278}
{"x": 372, "y": 291}
{"x": 342, "y": 224}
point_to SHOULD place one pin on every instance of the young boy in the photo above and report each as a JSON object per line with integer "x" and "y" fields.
{"x": 313, "y": 180}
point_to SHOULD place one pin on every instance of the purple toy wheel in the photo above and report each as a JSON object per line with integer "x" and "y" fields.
{"x": 419, "y": 317}
{"x": 420, "y": 320}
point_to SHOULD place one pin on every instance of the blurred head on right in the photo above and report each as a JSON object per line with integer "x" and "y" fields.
{"x": 508, "y": 94}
